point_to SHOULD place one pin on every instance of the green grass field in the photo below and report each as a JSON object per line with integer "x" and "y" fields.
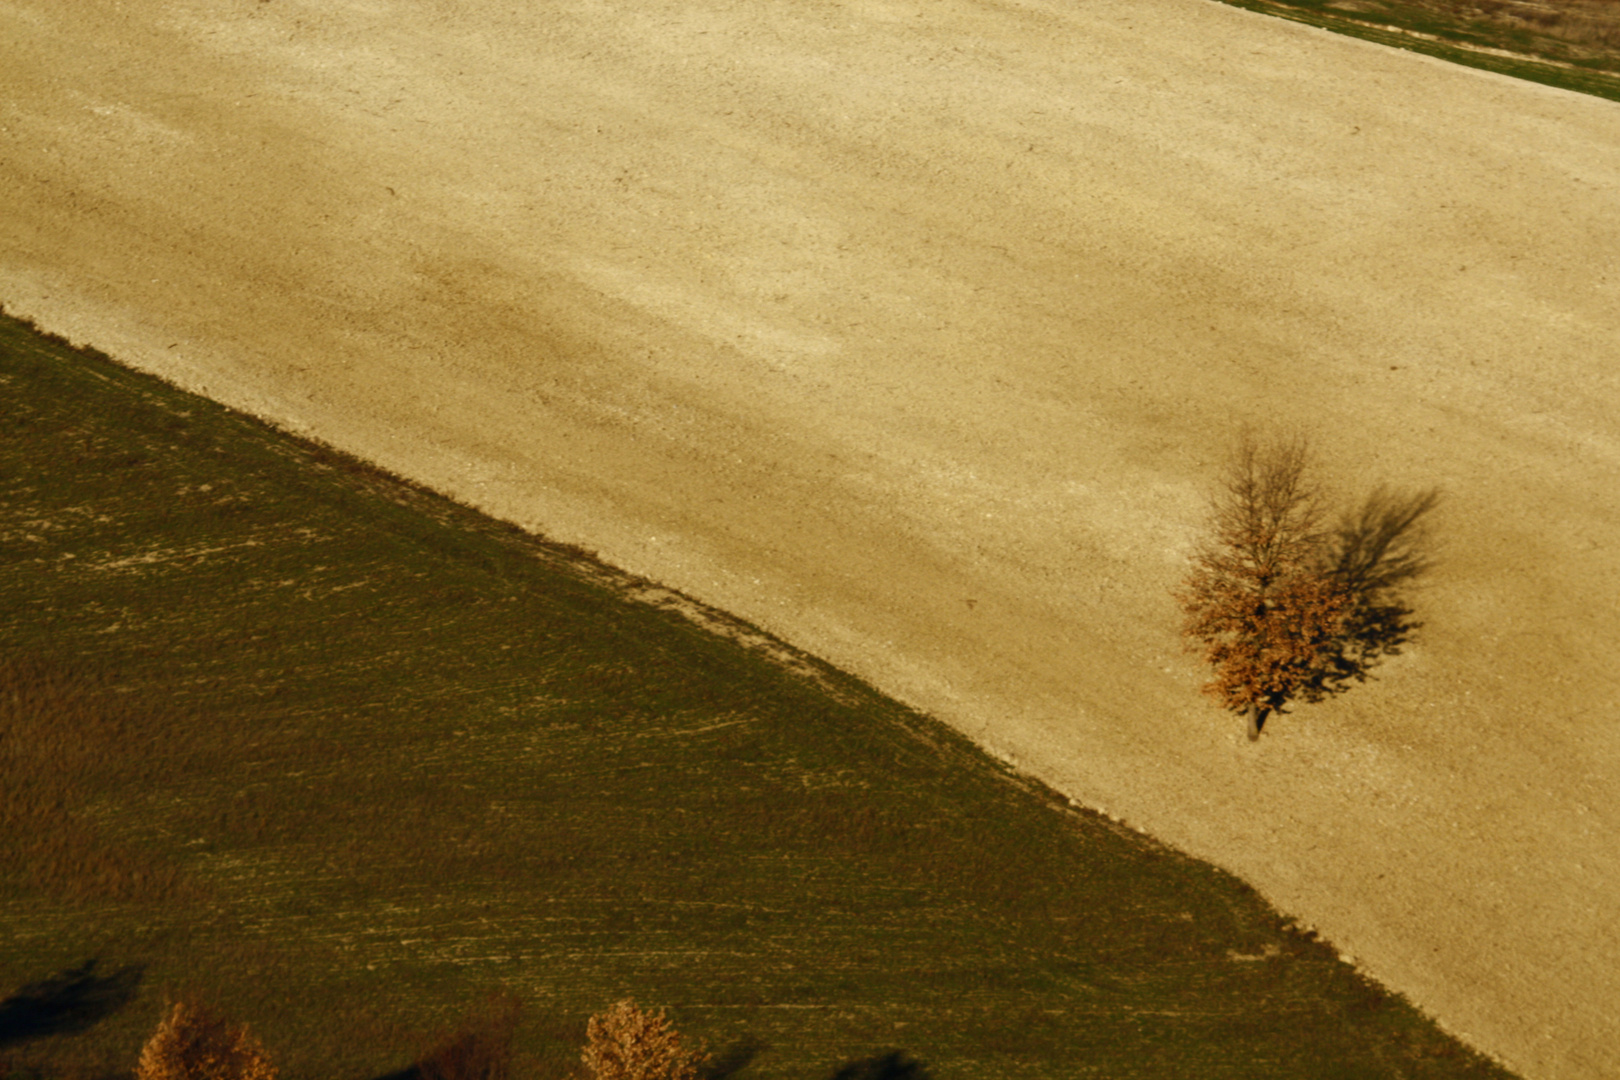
{"x": 1572, "y": 44}
{"x": 340, "y": 756}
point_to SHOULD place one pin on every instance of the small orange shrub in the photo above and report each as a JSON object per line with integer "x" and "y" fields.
{"x": 193, "y": 1043}
{"x": 629, "y": 1043}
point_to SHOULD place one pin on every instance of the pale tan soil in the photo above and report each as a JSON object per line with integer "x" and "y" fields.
{"x": 914, "y": 333}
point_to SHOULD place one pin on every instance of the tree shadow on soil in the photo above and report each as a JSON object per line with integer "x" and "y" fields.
{"x": 1377, "y": 549}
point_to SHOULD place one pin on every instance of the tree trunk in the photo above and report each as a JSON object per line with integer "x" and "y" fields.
{"x": 1256, "y": 716}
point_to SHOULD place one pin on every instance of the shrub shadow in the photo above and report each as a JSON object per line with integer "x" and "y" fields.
{"x": 71, "y": 1001}
{"x": 733, "y": 1059}
{"x": 409, "y": 1072}
{"x": 894, "y": 1065}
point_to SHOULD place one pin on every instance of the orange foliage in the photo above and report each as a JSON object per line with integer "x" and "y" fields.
{"x": 192, "y": 1043}
{"x": 1266, "y": 646}
{"x": 1263, "y": 602}
{"x": 629, "y": 1043}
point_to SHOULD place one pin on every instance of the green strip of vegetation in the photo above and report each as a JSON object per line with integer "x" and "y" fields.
{"x": 1575, "y": 49}
{"x": 291, "y": 736}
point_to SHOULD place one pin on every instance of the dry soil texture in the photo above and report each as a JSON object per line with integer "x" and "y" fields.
{"x": 914, "y": 332}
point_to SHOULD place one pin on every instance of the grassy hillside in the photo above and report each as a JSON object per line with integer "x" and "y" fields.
{"x": 1573, "y": 44}
{"x": 285, "y": 732}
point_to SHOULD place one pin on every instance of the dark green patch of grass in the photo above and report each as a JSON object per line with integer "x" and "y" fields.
{"x": 1571, "y": 44}
{"x": 340, "y": 756}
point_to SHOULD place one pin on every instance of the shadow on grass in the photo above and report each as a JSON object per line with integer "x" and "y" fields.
{"x": 894, "y": 1065}
{"x": 409, "y": 1072}
{"x": 733, "y": 1059}
{"x": 72, "y": 1001}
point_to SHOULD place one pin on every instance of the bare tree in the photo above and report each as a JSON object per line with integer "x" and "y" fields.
{"x": 1281, "y": 606}
{"x": 630, "y": 1043}
{"x": 1260, "y": 603}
